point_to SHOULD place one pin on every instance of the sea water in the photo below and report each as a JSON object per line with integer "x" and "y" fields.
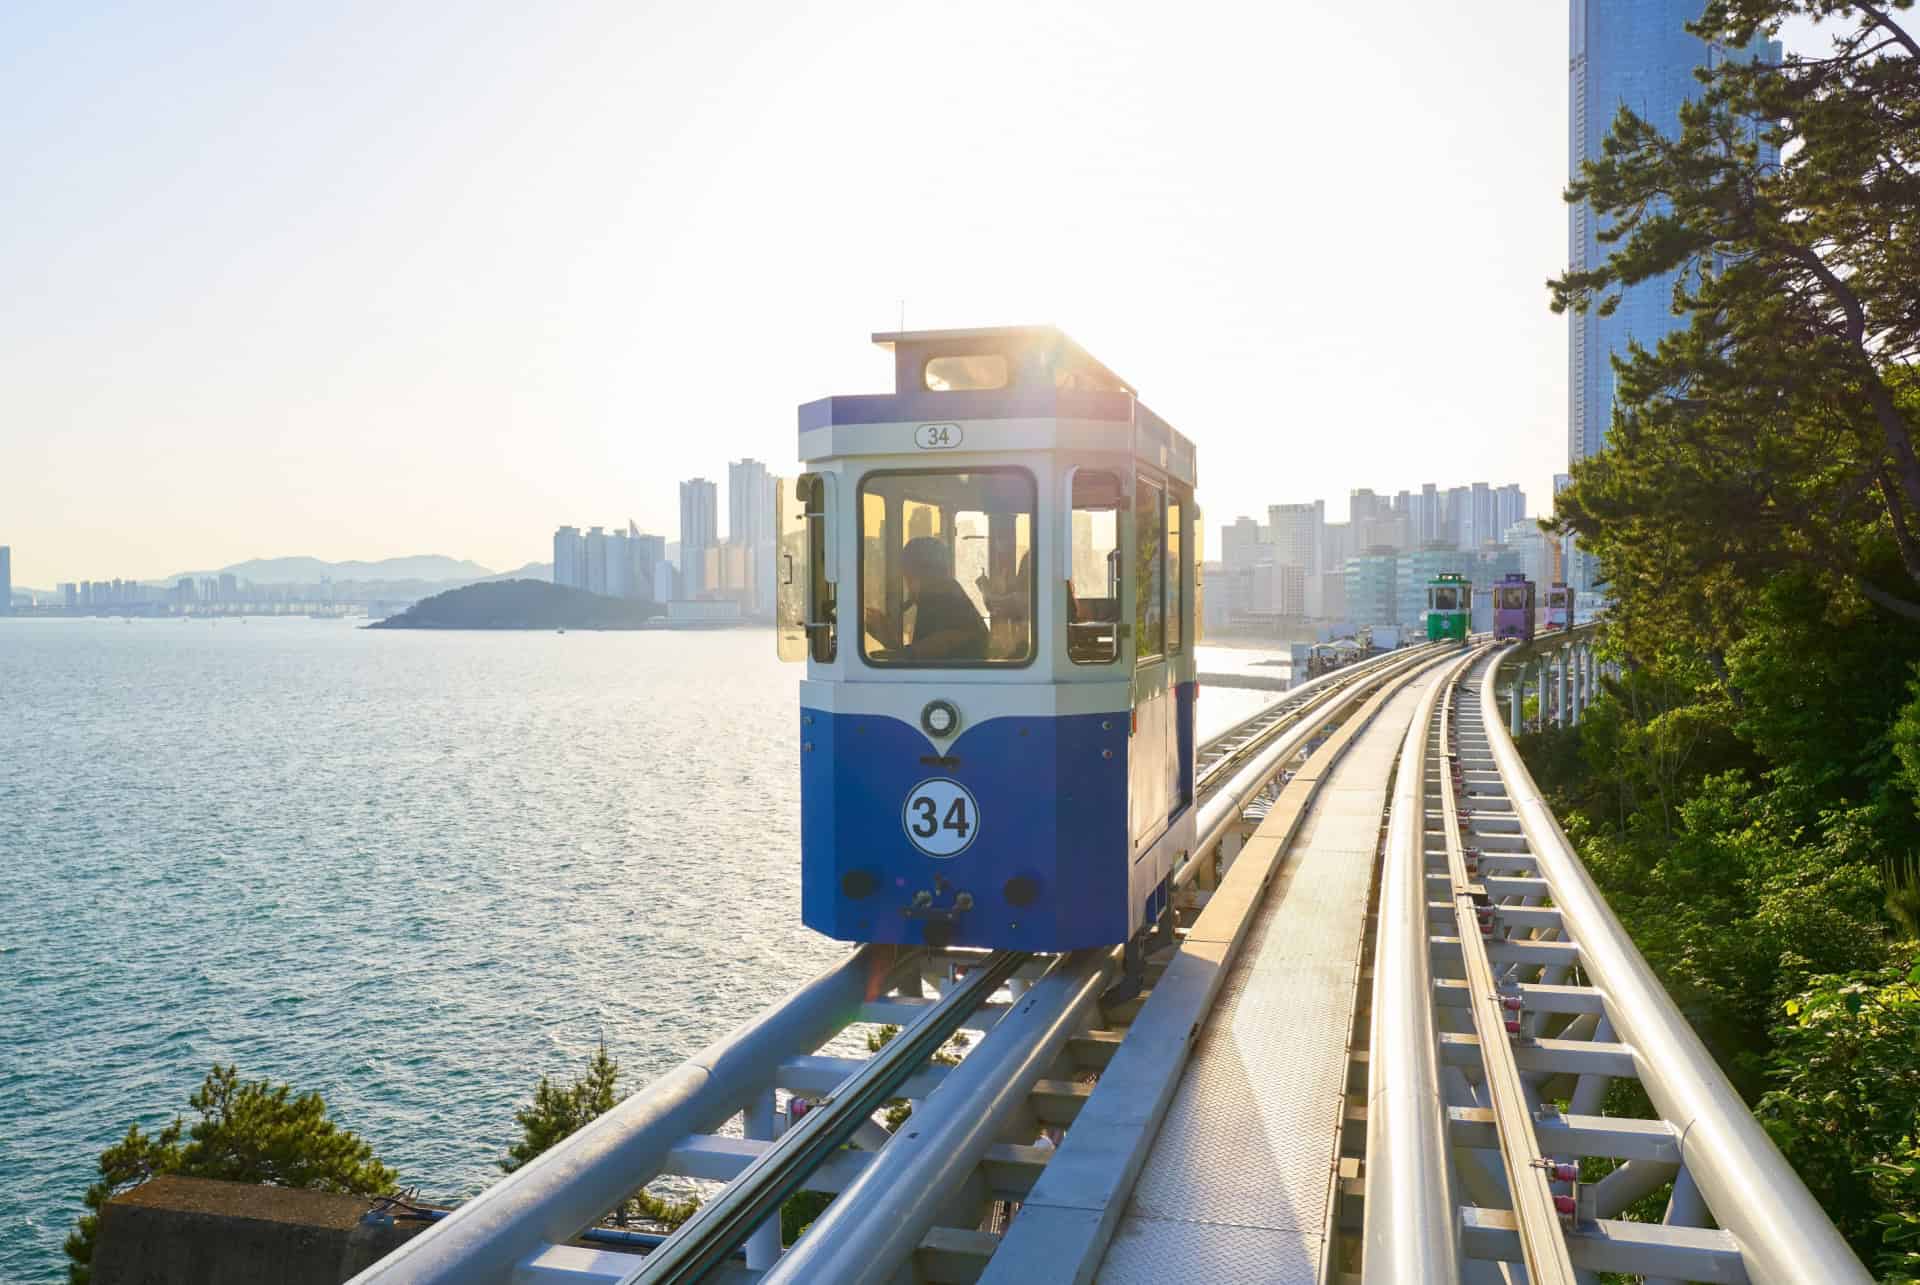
{"x": 414, "y": 871}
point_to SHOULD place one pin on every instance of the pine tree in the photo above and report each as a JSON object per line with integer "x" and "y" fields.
{"x": 248, "y": 1131}
{"x": 556, "y": 1113}
{"x": 1782, "y": 426}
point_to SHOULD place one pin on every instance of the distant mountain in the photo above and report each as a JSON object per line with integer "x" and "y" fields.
{"x": 431, "y": 568}
{"x": 532, "y": 571}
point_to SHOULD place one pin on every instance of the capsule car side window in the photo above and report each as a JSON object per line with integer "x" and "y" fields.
{"x": 1176, "y": 578}
{"x": 1150, "y": 550}
{"x": 946, "y": 568}
{"x": 1093, "y": 587}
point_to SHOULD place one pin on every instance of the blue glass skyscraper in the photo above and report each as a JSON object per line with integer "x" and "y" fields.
{"x": 1638, "y": 54}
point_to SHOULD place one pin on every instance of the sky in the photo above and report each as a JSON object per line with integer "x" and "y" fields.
{"x": 366, "y": 280}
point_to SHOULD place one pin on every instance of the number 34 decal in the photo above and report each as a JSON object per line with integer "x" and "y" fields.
{"x": 941, "y": 817}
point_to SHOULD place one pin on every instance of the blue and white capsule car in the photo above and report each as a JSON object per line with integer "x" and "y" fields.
{"x": 991, "y": 574}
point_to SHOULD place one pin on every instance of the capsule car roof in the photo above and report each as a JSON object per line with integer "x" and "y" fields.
{"x": 1045, "y": 391}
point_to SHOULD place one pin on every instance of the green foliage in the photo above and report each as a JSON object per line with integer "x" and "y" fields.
{"x": 898, "y": 1110}
{"x": 248, "y": 1131}
{"x": 1745, "y": 796}
{"x": 557, "y": 1113}
{"x": 798, "y": 1211}
{"x": 1778, "y": 429}
{"x": 1847, "y": 1067}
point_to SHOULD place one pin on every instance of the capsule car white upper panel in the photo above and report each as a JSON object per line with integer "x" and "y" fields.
{"x": 992, "y": 437}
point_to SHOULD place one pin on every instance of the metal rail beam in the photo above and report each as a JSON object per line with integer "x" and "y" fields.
{"x": 1222, "y": 809}
{"x": 725, "y": 1221}
{"x": 876, "y": 1225}
{"x": 573, "y": 1185}
{"x": 1783, "y": 1235}
{"x": 1408, "y": 1233}
{"x": 1543, "y": 1242}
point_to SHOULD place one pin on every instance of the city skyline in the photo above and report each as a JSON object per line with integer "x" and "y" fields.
{"x": 439, "y": 322}
{"x": 1298, "y": 568}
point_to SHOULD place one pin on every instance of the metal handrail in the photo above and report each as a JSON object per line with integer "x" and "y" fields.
{"x": 1785, "y": 1237}
{"x": 720, "y": 1225}
{"x": 877, "y": 1221}
{"x": 1409, "y": 1234}
{"x": 1297, "y": 700}
{"x": 1221, "y": 809}
{"x": 574, "y": 1184}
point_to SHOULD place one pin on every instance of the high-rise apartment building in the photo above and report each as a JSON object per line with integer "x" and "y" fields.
{"x": 1336, "y": 546}
{"x": 1412, "y": 572}
{"x": 570, "y": 558}
{"x": 699, "y": 532}
{"x": 1534, "y": 550}
{"x": 1509, "y": 507}
{"x": 1370, "y": 587}
{"x": 6, "y": 580}
{"x": 750, "y": 529}
{"x": 1240, "y": 544}
{"x": 1375, "y": 522}
{"x": 1295, "y": 531}
{"x": 1480, "y": 527}
{"x": 1424, "y": 527}
{"x": 596, "y": 560}
{"x": 1637, "y": 54}
{"x": 648, "y": 554}
{"x": 618, "y": 563}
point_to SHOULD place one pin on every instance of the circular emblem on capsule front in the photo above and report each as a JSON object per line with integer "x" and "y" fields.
{"x": 941, "y": 817}
{"x": 940, "y": 718}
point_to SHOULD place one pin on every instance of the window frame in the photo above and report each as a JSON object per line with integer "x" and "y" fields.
{"x": 1033, "y": 579}
{"x": 1123, "y": 507}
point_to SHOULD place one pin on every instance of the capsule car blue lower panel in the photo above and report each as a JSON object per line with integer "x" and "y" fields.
{"x": 1046, "y": 869}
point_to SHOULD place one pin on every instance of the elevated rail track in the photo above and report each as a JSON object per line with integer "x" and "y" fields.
{"x": 1478, "y": 1025}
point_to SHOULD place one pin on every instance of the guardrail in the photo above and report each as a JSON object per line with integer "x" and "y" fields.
{"x": 1408, "y": 1233}
{"x": 1749, "y": 1189}
{"x": 1221, "y": 810}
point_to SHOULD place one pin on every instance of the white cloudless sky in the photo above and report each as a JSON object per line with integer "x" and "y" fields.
{"x": 358, "y": 280}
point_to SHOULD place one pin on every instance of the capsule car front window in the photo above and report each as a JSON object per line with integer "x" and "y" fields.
{"x": 975, "y": 371}
{"x": 1447, "y": 599}
{"x": 1513, "y": 599}
{"x": 946, "y": 568}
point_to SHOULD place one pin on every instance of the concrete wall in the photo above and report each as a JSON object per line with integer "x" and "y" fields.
{"x": 195, "y": 1231}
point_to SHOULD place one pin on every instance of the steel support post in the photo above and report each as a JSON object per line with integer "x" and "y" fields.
{"x": 1515, "y": 692}
{"x": 1685, "y": 1208}
{"x": 761, "y": 1125}
{"x": 1562, "y": 687}
{"x": 1540, "y": 712}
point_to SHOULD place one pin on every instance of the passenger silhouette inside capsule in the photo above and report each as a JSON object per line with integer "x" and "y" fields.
{"x": 945, "y": 625}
